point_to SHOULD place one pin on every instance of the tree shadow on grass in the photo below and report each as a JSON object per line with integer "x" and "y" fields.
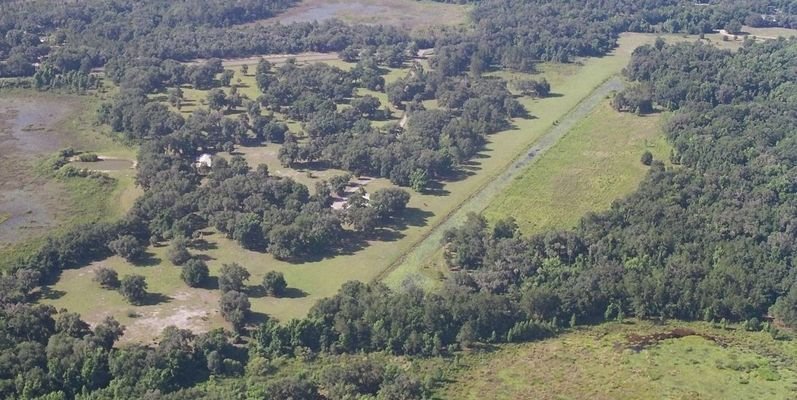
{"x": 294, "y": 293}
{"x": 48, "y": 293}
{"x": 410, "y": 217}
{"x": 257, "y": 318}
{"x": 384, "y": 235}
{"x": 460, "y": 174}
{"x": 212, "y": 283}
{"x": 148, "y": 260}
{"x": 258, "y": 292}
{"x": 203, "y": 245}
{"x": 435, "y": 188}
{"x": 153, "y": 299}
{"x": 312, "y": 166}
{"x": 203, "y": 257}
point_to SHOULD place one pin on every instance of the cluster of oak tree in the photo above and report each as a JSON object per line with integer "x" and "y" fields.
{"x": 429, "y": 144}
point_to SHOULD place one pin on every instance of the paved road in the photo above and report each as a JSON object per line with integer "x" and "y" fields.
{"x": 426, "y": 248}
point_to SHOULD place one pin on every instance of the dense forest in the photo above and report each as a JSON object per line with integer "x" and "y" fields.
{"x": 710, "y": 238}
{"x": 76, "y": 36}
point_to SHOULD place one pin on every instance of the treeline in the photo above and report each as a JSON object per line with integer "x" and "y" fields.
{"x": 55, "y": 355}
{"x": 372, "y": 318}
{"x": 712, "y": 238}
{"x": 76, "y": 36}
{"x": 518, "y": 34}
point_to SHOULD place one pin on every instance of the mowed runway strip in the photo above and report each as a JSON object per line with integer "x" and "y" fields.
{"x": 477, "y": 202}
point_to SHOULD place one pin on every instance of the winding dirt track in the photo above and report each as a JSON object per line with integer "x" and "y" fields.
{"x": 426, "y": 247}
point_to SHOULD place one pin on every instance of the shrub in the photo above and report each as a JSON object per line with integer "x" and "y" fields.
{"x": 106, "y": 277}
{"x": 274, "y": 283}
{"x": 134, "y": 288}
{"x": 127, "y": 247}
{"x": 89, "y": 157}
{"x": 195, "y": 273}
{"x": 647, "y": 158}
{"x": 178, "y": 253}
{"x": 66, "y": 153}
{"x": 753, "y": 325}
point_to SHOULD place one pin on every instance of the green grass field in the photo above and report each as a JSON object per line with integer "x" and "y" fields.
{"x": 586, "y": 171}
{"x": 598, "y": 363}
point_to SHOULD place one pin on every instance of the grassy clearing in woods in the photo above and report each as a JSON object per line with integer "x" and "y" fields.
{"x": 596, "y": 163}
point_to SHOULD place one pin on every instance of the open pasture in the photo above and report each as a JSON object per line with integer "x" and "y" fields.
{"x": 697, "y": 361}
{"x": 571, "y": 84}
{"x": 404, "y": 13}
{"x": 596, "y": 163}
